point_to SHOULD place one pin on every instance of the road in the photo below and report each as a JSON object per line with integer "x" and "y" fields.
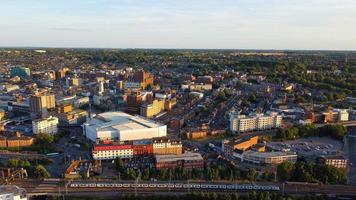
{"x": 35, "y": 188}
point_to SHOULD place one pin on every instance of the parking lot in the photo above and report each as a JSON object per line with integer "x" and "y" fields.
{"x": 309, "y": 148}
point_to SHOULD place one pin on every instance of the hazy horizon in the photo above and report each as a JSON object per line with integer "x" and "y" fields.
{"x": 180, "y": 24}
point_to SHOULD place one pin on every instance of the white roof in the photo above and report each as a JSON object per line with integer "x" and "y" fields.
{"x": 120, "y": 121}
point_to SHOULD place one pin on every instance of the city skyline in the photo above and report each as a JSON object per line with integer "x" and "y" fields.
{"x": 275, "y": 24}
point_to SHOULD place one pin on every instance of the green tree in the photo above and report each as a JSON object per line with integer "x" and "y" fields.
{"x": 41, "y": 172}
{"x": 284, "y": 171}
{"x": 119, "y": 164}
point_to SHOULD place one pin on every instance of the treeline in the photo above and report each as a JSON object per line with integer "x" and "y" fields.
{"x": 205, "y": 196}
{"x": 35, "y": 168}
{"x": 334, "y": 131}
{"x": 212, "y": 173}
{"x": 312, "y": 173}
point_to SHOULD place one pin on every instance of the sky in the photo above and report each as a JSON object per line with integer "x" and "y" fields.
{"x": 197, "y": 24}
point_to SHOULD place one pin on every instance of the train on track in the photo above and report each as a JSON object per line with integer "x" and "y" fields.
{"x": 193, "y": 186}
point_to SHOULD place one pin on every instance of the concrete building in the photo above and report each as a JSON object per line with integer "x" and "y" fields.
{"x": 74, "y": 117}
{"x": 121, "y": 126}
{"x": 242, "y": 123}
{"x": 12, "y": 192}
{"x": 107, "y": 152}
{"x": 42, "y": 102}
{"x": 187, "y": 161}
{"x": 45, "y": 125}
{"x": 268, "y": 158}
{"x": 22, "y": 72}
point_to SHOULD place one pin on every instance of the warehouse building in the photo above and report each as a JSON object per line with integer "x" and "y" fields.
{"x": 120, "y": 126}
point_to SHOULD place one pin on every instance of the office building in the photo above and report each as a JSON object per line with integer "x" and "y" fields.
{"x": 268, "y": 158}
{"x": 120, "y": 126}
{"x": 40, "y": 103}
{"x": 22, "y": 72}
{"x": 45, "y": 125}
{"x": 242, "y": 123}
{"x": 187, "y": 161}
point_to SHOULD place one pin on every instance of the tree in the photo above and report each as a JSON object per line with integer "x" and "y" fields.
{"x": 41, "y": 172}
{"x": 44, "y": 138}
{"x": 284, "y": 171}
{"x": 13, "y": 163}
{"x": 119, "y": 164}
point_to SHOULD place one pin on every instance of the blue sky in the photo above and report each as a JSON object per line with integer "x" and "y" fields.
{"x": 240, "y": 24}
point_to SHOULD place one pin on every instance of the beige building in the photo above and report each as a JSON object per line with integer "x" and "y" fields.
{"x": 242, "y": 123}
{"x": 42, "y": 102}
{"x": 45, "y": 125}
{"x": 157, "y": 106}
{"x": 162, "y": 146}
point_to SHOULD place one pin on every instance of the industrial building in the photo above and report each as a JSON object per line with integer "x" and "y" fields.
{"x": 120, "y": 126}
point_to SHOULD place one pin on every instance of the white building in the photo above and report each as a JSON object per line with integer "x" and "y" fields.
{"x": 12, "y": 192}
{"x": 105, "y": 152}
{"x": 122, "y": 127}
{"x": 343, "y": 115}
{"x": 45, "y": 125}
{"x": 241, "y": 123}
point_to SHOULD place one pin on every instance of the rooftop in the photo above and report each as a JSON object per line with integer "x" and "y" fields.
{"x": 269, "y": 154}
{"x": 173, "y": 158}
{"x": 120, "y": 121}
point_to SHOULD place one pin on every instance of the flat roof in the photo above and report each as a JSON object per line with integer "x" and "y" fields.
{"x": 173, "y": 158}
{"x": 269, "y": 154}
{"x": 120, "y": 121}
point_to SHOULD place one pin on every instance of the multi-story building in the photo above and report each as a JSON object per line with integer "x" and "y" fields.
{"x": 42, "y": 102}
{"x": 241, "y": 123}
{"x": 187, "y": 161}
{"x": 65, "y": 108}
{"x": 12, "y": 192}
{"x": 107, "y": 152}
{"x": 22, "y": 72}
{"x": 152, "y": 109}
{"x": 15, "y": 140}
{"x": 144, "y": 78}
{"x": 335, "y": 161}
{"x": 335, "y": 115}
{"x": 18, "y": 107}
{"x": 121, "y": 126}
{"x": 134, "y": 102}
{"x": 74, "y": 117}
{"x": 268, "y": 158}
{"x": 163, "y": 146}
{"x": 142, "y": 147}
{"x": 45, "y": 125}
